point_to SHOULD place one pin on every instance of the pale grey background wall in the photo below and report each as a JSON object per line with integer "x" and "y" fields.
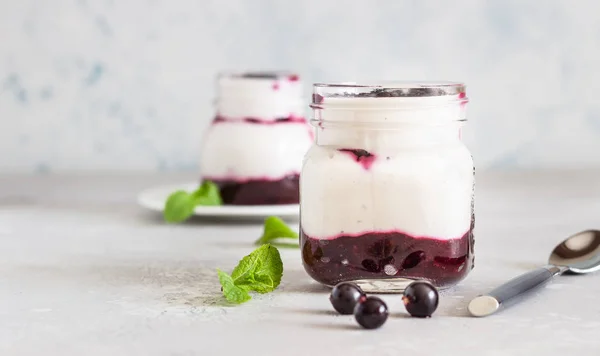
{"x": 128, "y": 84}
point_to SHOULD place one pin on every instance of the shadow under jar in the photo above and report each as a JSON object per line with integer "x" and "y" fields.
{"x": 387, "y": 189}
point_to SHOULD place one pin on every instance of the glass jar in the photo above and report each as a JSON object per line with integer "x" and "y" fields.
{"x": 254, "y": 147}
{"x": 387, "y": 189}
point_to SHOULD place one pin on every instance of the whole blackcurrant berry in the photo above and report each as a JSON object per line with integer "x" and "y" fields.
{"x": 371, "y": 313}
{"x": 345, "y": 296}
{"x": 421, "y": 299}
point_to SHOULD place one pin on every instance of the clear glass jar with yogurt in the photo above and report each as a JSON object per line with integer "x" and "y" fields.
{"x": 387, "y": 189}
{"x": 254, "y": 147}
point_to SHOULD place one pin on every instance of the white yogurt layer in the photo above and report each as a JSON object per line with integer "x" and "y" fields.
{"x": 242, "y": 151}
{"x": 266, "y": 99}
{"x": 420, "y": 182}
{"x": 269, "y": 150}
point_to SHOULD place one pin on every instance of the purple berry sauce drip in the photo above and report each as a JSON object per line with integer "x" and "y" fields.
{"x": 311, "y": 133}
{"x": 317, "y": 99}
{"x": 291, "y": 119}
{"x": 253, "y": 120}
{"x": 381, "y": 255}
{"x": 363, "y": 157}
{"x": 461, "y": 96}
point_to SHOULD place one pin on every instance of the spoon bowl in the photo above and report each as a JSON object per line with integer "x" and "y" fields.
{"x": 580, "y": 253}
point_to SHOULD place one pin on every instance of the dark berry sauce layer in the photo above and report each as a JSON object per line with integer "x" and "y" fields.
{"x": 260, "y": 191}
{"x": 382, "y": 255}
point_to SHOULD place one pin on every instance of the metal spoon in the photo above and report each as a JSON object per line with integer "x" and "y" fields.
{"x": 578, "y": 254}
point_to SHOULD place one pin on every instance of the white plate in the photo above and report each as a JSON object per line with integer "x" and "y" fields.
{"x": 155, "y": 198}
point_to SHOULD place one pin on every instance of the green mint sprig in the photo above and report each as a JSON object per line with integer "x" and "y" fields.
{"x": 276, "y": 229}
{"x": 180, "y": 204}
{"x": 260, "y": 272}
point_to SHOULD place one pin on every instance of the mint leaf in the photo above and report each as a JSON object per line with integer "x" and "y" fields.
{"x": 208, "y": 194}
{"x": 232, "y": 292}
{"x": 180, "y": 205}
{"x": 260, "y": 271}
{"x": 275, "y": 229}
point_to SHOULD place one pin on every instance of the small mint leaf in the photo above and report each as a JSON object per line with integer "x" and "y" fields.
{"x": 208, "y": 194}
{"x": 232, "y": 292}
{"x": 275, "y": 229}
{"x": 260, "y": 271}
{"x": 179, "y": 206}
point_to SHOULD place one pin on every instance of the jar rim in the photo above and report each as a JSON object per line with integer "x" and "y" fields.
{"x": 397, "y": 95}
{"x": 389, "y": 89}
{"x": 427, "y": 88}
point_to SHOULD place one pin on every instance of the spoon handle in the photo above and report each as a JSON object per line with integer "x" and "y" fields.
{"x": 512, "y": 291}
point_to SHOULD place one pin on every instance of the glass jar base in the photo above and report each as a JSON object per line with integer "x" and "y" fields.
{"x": 386, "y": 286}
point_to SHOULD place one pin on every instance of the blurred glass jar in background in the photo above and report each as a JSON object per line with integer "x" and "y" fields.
{"x": 387, "y": 190}
{"x": 254, "y": 148}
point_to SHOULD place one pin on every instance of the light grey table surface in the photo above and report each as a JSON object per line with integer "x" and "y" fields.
{"x": 85, "y": 271}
